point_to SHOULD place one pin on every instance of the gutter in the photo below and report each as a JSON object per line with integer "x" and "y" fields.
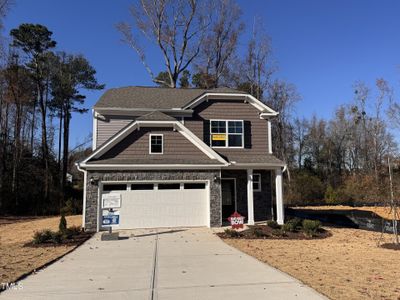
{"x": 151, "y": 167}
{"x": 78, "y": 166}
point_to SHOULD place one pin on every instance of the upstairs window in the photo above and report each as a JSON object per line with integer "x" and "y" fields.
{"x": 226, "y": 133}
{"x": 156, "y": 144}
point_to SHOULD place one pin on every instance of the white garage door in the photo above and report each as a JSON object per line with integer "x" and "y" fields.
{"x": 147, "y": 205}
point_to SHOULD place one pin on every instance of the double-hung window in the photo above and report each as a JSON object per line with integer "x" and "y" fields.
{"x": 156, "y": 144}
{"x": 227, "y": 133}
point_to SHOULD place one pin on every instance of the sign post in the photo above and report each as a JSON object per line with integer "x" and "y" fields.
{"x": 110, "y": 216}
{"x": 236, "y": 220}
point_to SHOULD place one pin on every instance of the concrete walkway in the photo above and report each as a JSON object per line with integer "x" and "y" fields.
{"x": 160, "y": 264}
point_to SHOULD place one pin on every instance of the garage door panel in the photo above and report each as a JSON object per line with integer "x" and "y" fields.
{"x": 163, "y": 208}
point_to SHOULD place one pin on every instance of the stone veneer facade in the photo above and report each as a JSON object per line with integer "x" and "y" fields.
{"x": 92, "y": 190}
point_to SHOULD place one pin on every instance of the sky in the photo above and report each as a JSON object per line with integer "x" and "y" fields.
{"x": 322, "y": 47}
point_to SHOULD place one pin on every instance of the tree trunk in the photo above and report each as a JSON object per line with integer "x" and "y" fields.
{"x": 67, "y": 115}
{"x": 33, "y": 125}
{"x": 17, "y": 149}
{"x": 45, "y": 150}
{"x": 60, "y": 131}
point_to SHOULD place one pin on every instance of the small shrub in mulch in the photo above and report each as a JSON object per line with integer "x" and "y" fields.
{"x": 258, "y": 232}
{"x": 232, "y": 233}
{"x": 311, "y": 227}
{"x": 295, "y": 229}
{"x": 273, "y": 224}
{"x": 64, "y": 236}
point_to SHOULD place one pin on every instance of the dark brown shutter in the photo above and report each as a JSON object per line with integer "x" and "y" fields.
{"x": 206, "y": 132}
{"x": 247, "y": 134}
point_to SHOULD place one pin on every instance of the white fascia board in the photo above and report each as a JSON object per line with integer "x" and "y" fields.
{"x": 263, "y": 107}
{"x": 256, "y": 166}
{"x": 231, "y": 96}
{"x": 148, "y": 167}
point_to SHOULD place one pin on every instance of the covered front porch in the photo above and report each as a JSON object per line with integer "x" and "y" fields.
{"x": 255, "y": 193}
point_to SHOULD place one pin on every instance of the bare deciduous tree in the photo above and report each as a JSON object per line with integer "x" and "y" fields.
{"x": 257, "y": 66}
{"x": 220, "y": 44}
{"x": 176, "y": 27}
{"x": 282, "y": 97}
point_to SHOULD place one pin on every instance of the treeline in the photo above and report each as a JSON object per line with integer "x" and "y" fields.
{"x": 345, "y": 159}
{"x": 40, "y": 89}
{"x": 340, "y": 160}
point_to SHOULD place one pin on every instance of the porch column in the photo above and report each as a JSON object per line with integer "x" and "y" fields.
{"x": 250, "y": 198}
{"x": 280, "y": 218}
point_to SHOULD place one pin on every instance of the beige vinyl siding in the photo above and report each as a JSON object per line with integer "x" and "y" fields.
{"x": 256, "y": 129}
{"x": 136, "y": 146}
{"x": 110, "y": 125}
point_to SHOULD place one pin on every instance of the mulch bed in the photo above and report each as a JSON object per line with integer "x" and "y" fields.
{"x": 391, "y": 246}
{"x": 73, "y": 241}
{"x": 266, "y": 232}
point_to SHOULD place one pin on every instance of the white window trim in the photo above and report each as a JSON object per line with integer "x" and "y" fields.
{"x": 258, "y": 189}
{"x": 162, "y": 143}
{"x": 227, "y": 134}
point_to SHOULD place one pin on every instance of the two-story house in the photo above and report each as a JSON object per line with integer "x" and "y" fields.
{"x": 180, "y": 157}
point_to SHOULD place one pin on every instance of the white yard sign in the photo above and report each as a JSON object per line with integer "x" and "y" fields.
{"x": 111, "y": 200}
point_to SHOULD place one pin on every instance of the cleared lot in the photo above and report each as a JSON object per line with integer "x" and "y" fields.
{"x": 15, "y": 258}
{"x": 347, "y": 265}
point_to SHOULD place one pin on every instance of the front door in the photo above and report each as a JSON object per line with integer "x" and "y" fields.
{"x": 228, "y": 198}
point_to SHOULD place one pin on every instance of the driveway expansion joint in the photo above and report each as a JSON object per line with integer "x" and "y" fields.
{"x": 153, "y": 281}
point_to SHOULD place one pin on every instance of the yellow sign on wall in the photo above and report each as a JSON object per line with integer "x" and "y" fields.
{"x": 219, "y": 137}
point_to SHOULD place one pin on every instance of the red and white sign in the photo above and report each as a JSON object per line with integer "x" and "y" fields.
{"x": 236, "y": 220}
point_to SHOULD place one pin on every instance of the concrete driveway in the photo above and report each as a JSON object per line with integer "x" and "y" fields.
{"x": 160, "y": 264}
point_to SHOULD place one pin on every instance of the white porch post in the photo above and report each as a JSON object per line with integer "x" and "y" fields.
{"x": 280, "y": 218}
{"x": 250, "y": 198}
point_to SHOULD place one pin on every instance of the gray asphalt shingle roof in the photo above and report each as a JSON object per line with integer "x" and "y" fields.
{"x": 153, "y": 97}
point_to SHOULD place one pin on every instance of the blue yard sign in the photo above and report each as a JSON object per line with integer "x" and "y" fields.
{"x": 110, "y": 219}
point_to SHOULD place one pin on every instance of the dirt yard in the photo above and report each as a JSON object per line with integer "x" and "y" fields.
{"x": 384, "y": 212}
{"x": 347, "y": 265}
{"x": 17, "y": 259}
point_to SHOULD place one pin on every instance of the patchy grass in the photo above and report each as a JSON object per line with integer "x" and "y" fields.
{"x": 17, "y": 254}
{"x": 346, "y": 265}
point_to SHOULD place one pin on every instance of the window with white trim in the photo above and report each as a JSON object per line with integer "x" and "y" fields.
{"x": 257, "y": 182}
{"x": 156, "y": 144}
{"x": 227, "y": 133}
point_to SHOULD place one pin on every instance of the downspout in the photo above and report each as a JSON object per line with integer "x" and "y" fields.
{"x": 84, "y": 193}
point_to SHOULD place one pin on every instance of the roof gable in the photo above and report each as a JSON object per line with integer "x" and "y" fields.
{"x": 135, "y": 148}
{"x": 126, "y": 131}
